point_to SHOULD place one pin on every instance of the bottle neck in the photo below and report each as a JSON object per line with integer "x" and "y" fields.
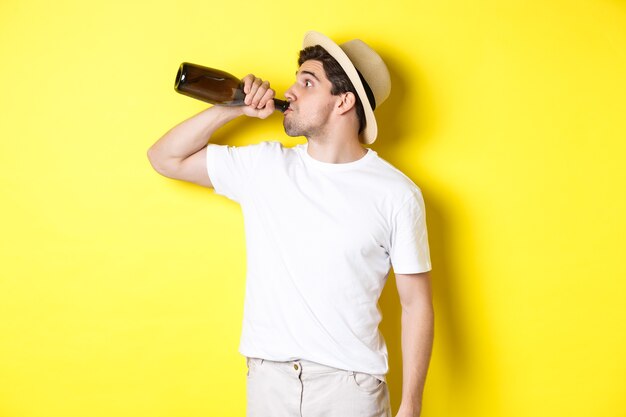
{"x": 281, "y": 105}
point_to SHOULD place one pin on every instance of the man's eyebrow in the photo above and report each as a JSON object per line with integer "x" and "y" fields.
{"x": 312, "y": 74}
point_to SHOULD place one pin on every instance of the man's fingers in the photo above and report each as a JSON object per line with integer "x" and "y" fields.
{"x": 258, "y": 99}
{"x": 256, "y": 84}
{"x": 247, "y": 82}
{"x": 267, "y": 97}
{"x": 259, "y": 96}
{"x": 267, "y": 110}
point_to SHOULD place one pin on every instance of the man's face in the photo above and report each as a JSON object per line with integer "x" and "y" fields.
{"x": 311, "y": 102}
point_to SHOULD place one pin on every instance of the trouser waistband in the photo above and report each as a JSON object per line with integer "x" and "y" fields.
{"x": 304, "y": 366}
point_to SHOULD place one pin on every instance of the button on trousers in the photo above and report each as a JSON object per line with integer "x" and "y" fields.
{"x": 307, "y": 389}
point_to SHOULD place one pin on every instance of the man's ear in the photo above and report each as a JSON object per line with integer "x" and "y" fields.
{"x": 346, "y": 102}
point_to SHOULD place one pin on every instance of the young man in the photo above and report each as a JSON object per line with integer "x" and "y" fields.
{"x": 324, "y": 223}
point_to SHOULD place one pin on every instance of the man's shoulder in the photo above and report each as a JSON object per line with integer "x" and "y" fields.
{"x": 393, "y": 179}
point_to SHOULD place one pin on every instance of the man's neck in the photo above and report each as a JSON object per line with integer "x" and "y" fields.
{"x": 334, "y": 151}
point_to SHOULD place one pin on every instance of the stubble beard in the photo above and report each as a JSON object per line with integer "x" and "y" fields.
{"x": 309, "y": 128}
{"x": 295, "y": 128}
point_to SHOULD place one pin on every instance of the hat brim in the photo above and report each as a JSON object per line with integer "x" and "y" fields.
{"x": 312, "y": 38}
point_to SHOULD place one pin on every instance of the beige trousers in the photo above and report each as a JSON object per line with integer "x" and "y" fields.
{"x": 307, "y": 389}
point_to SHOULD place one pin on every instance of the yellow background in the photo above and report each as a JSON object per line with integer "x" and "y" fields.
{"x": 121, "y": 291}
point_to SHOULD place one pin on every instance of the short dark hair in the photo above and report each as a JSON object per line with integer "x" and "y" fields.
{"x": 337, "y": 76}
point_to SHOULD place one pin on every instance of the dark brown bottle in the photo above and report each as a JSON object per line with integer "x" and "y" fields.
{"x": 214, "y": 86}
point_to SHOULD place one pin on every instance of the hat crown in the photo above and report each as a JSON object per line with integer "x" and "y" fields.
{"x": 371, "y": 66}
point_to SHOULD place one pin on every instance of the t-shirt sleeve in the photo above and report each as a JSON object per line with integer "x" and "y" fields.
{"x": 410, "y": 253}
{"x": 230, "y": 168}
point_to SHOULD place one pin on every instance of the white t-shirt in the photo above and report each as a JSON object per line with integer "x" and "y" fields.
{"x": 320, "y": 241}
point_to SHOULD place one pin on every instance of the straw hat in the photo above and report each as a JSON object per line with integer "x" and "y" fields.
{"x": 357, "y": 58}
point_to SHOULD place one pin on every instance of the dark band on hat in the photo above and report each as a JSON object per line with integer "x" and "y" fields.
{"x": 368, "y": 91}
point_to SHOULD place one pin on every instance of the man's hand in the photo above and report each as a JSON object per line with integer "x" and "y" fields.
{"x": 259, "y": 97}
{"x": 405, "y": 413}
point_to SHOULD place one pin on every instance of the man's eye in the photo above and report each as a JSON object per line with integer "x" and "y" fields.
{"x": 308, "y": 83}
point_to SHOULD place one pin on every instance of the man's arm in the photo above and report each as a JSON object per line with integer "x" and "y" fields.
{"x": 181, "y": 152}
{"x": 417, "y": 339}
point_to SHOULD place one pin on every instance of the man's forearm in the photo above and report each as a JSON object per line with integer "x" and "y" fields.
{"x": 190, "y": 136}
{"x": 417, "y": 342}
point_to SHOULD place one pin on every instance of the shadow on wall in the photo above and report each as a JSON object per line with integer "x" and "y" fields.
{"x": 451, "y": 342}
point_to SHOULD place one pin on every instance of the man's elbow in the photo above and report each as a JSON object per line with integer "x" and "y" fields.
{"x": 159, "y": 164}
{"x": 423, "y": 307}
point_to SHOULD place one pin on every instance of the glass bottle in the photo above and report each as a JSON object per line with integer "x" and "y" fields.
{"x": 213, "y": 86}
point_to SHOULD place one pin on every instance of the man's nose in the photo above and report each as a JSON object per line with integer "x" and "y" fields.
{"x": 289, "y": 94}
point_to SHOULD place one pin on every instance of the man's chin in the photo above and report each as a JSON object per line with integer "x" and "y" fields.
{"x": 290, "y": 131}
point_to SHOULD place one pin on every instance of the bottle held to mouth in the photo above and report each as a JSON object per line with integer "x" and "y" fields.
{"x": 214, "y": 86}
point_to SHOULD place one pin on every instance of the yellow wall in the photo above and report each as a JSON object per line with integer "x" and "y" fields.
{"x": 121, "y": 291}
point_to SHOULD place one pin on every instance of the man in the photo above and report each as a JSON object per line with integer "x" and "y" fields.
{"x": 324, "y": 223}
